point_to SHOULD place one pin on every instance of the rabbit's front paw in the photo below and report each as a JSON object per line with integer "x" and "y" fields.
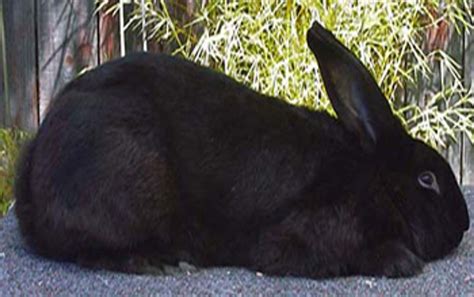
{"x": 391, "y": 259}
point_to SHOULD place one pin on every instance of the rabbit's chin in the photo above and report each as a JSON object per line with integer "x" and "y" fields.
{"x": 431, "y": 247}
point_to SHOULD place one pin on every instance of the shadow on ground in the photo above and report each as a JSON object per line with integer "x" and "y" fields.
{"x": 27, "y": 275}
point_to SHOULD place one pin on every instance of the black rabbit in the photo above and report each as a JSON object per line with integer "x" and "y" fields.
{"x": 152, "y": 159}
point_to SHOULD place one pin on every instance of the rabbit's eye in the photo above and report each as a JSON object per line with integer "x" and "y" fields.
{"x": 427, "y": 180}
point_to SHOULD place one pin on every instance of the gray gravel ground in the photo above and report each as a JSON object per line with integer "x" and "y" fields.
{"x": 23, "y": 274}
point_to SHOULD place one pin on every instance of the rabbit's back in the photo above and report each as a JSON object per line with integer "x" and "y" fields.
{"x": 215, "y": 134}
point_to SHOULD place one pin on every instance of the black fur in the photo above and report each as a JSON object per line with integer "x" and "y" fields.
{"x": 152, "y": 159}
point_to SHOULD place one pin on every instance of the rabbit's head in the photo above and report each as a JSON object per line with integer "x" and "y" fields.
{"x": 418, "y": 181}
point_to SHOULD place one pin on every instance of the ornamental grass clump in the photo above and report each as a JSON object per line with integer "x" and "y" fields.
{"x": 262, "y": 44}
{"x": 10, "y": 143}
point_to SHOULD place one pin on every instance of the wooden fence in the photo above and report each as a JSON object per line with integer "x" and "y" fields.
{"x": 46, "y": 43}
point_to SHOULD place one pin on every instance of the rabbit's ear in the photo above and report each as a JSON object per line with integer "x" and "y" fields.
{"x": 359, "y": 103}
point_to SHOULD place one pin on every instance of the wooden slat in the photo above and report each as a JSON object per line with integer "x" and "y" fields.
{"x": 19, "y": 17}
{"x": 133, "y": 39}
{"x": 110, "y": 33}
{"x": 109, "y": 36}
{"x": 468, "y": 149}
{"x": 3, "y": 94}
{"x": 67, "y": 44}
